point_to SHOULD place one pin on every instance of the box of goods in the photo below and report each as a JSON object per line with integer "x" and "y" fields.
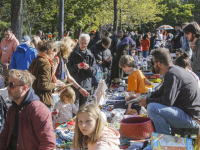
{"x": 168, "y": 142}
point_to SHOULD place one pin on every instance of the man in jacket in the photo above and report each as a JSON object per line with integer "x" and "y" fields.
{"x": 177, "y": 102}
{"x": 192, "y": 31}
{"x": 29, "y": 122}
{"x": 103, "y": 55}
{"x": 24, "y": 55}
{"x": 177, "y": 40}
{"x": 82, "y": 66}
{"x": 97, "y": 37}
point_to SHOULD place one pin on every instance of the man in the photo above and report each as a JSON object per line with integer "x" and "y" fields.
{"x": 192, "y": 31}
{"x": 97, "y": 37}
{"x": 177, "y": 40}
{"x": 103, "y": 55}
{"x": 29, "y": 122}
{"x": 186, "y": 44}
{"x": 179, "y": 52}
{"x": 82, "y": 66}
{"x": 8, "y": 45}
{"x": 177, "y": 102}
{"x": 24, "y": 55}
{"x": 135, "y": 37}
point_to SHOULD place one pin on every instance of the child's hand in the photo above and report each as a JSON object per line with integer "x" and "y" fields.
{"x": 55, "y": 112}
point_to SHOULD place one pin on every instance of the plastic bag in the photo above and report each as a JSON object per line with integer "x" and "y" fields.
{"x": 99, "y": 75}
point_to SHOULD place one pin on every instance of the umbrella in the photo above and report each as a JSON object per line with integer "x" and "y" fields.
{"x": 165, "y": 27}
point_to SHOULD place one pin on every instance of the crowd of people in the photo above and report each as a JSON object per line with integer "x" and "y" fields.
{"x": 37, "y": 68}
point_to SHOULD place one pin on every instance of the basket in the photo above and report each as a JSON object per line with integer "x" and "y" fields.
{"x": 136, "y": 128}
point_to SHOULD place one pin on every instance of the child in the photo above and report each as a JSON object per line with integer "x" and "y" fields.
{"x": 65, "y": 107}
{"x": 136, "y": 79}
{"x": 91, "y": 132}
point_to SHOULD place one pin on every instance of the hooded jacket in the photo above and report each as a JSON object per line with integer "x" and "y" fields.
{"x": 22, "y": 57}
{"x": 177, "y": 39}
{"x": 28, "y": 126}
{"x": 109, "y": 140}
{"x": 95, "y": 39}
{"x": 11, "y": 47}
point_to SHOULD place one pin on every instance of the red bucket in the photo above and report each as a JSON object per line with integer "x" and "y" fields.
{"x": 136, "y": 128}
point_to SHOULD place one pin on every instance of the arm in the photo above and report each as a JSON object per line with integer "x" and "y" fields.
{"x": 147, "y": 82}
{"x": 129, "y": 105}
{"x": 41, "y": 120}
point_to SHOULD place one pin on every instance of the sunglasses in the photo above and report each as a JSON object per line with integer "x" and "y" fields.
{"x": 12, "y": 85}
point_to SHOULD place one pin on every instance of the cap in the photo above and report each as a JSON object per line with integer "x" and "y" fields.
{"x": 25, "y": 38}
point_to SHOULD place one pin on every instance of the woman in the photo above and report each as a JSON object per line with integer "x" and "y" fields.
{"x": 41, "y": 68}
{"x": 60, "y": 70}
{"x": 122, "y": 49}
{"x": 34, "y": 41}
{"x": 145, "y": 46}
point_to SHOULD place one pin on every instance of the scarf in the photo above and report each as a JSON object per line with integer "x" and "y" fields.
{"x": 61, "y": 69}
{"x": 45, "y": 56}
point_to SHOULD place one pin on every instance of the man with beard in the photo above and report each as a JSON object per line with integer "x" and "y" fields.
{"x": 29, "y": 121}
{"x": 177, "y": 102}
{"x": 192, "y": 31}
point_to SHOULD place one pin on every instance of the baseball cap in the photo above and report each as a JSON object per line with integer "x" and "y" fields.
{"x": 25, "y": 38}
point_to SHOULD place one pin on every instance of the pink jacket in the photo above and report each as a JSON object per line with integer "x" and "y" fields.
{"x": 11, "y": 47}
{"x": 108, "y": 141}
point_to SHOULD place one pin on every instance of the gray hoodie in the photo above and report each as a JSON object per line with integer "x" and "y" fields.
{"x": 196, "y": 58}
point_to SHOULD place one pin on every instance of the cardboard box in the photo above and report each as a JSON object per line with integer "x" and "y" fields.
{"x": 168, "y": 142}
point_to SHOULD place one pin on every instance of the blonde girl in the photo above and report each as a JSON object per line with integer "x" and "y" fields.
{"x": 91, "y": 132}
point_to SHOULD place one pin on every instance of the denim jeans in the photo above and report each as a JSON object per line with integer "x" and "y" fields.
{"x": 163, "y": 117}
{"x": 145, "y": 53}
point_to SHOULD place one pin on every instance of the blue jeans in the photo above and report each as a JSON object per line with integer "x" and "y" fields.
{"x": 163, "y": 117}
{"x": 145, "y": 53}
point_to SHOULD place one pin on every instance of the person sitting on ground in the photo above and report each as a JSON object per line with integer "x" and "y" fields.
{"x": 65, "y": 107}
{"x": 90, "y": 131}
{"x": 177, "y": 102}
{"x": 184, "y": 62}
{"x": 29, "y": 122}
{"x": 24, "y": 55}
{"x": 179, "y": 52}
{"x": 136, "y": 81}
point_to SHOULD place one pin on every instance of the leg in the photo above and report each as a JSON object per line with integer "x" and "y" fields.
{"x": 163, "y": 116}
{"x": 82, "y": 99}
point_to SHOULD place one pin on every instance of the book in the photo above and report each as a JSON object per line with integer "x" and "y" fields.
{"x": 66, "y": 85}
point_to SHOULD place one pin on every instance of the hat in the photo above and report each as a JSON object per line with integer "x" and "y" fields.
{"x": 25, "y": 38}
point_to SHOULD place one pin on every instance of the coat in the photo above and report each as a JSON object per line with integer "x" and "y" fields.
{"x": 22, "y": 57}
{"x": 116, "y": 71}
{"x": 43, "y": 84}
{"x": 35, "y": 128}
{"x": 114, "y": 43}
{"x": 100, "y": 53}
{"x": 82, "y": 77}
{"x": 177, "y": 39}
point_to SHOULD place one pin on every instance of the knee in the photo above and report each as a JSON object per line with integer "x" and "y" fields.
{"x": 151, "y": 107}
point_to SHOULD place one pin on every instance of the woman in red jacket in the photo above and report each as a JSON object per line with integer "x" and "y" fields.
{"x": 145, "y": 46}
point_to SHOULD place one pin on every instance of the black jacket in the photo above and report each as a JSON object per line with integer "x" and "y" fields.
{"x": 94, "y": 40}
{"x": 82, "y": 77}
{"x": 177, "y": 39}
{"x": 114, "y": 42}
{"x": 100, "y": 53}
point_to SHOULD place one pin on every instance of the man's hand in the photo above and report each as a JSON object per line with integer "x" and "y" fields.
{"x": 84, "y": 92}
{"x": 109, "y": 59}
{"x": 86, "y": 66}
{"x": 142, "y": 102}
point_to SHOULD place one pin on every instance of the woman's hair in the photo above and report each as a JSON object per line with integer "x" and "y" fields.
{"x": 126, "y": 60}
{"x": 46, "y": 47}
{"x": 79, "y": 139}
{"x": 36, "y": 40}
{"x": 69, "y": 93}
{"x": 25, "y": 77}
{"x": 66, "y": 45}
{"x": 183, "y": 60}
{"x": 145, "y": 36}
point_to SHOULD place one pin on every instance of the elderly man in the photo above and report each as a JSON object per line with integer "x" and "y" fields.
{"x": 8, "y": 46}
{"x": 29, "y": 121}
{"x": 82, "y": 66}
{"x": 177, "y": 102}
{"x": 24, "y": 55}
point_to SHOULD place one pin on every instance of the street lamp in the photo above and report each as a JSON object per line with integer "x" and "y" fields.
{"x": 61, "y": 19}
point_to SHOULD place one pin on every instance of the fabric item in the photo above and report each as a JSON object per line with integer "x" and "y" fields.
{"x": 43, "y": 85}
{"x": 7, "y": 48}
{"x": 65, "y": 111}
{"x": 1, "y": 82}
{"x": 66, "y": 135}
{"x": 61, "y": 70}
{"x": 145, "y": 54}
{"x": 34, "y": 125}
{"x": 22, "y": 57}
{"x": 136, "y": 82}
{"x": 145, "y": 44}
{"x": 45, "y": 56}
{"x": 116, "y": 71}
{"x": 109, "y": 140}
{"x": 126, "y": 40}
{"x": 177, "y": 39}
{"x": 196, "y": 58}
{"x": 195, "y": 76}
{"x": 180, "y": 90}
{"x": 164, "y": 116}
{"x": 58, "y": 124}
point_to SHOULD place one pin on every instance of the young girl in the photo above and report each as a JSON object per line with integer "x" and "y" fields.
{"x": 136, "y": 79}
{"x": 91, "y": 132}
{"x": 65, "y": 107}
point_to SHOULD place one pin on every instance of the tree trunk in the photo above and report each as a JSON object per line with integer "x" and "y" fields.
{"x": 77, "y": 33}
{"x": 17, "y": 18}
{"x": 115, "y": 16}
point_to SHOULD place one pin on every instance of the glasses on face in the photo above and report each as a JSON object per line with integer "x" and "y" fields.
{"x": 12, "y": 85}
